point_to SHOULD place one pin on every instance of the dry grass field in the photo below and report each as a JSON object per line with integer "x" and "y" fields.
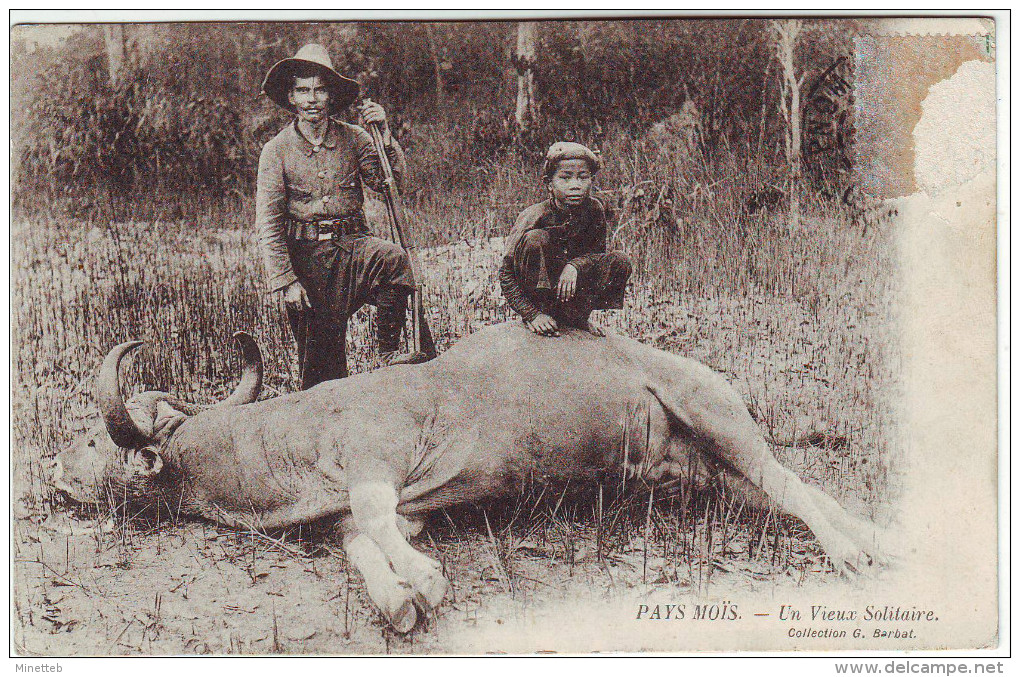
{"x": 796, "y": 317}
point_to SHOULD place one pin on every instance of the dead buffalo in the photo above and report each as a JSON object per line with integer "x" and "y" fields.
{"x": 501, "y": 408}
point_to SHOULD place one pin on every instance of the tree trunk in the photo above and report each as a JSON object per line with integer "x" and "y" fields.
{"x": 115, "y": 51}
{"x": 437, "y": 66}
{"x": 787, "y": 32}
{"x": 527, "y": 106}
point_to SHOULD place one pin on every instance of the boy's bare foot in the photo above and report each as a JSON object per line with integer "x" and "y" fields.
{"x": 594, "y": 328}
{"x": 543, "y": 325}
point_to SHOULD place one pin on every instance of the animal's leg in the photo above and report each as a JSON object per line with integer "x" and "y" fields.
{"x": 779, "y": 487}
{"x": 725, "y": 430}
{"x": 756, "y": 462}
{"x": 374, "y": 507}
{"x": 862, "y": 533}
{"x": 394, "y": 597}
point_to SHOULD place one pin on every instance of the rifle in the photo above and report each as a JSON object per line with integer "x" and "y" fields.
{"x": 395, "y": 214}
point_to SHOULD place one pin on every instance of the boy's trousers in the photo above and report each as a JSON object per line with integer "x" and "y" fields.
{"x": 539, "y": 259}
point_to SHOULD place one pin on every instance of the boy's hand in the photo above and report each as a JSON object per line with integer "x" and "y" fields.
{"x": 373, "y": 113}
{"x": 543, "y": 325}
{"x": 295, "y": 296}
{"x": 568, "y": 283}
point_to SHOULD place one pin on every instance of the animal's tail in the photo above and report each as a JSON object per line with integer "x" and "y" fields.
{"x": 819, "y": 439}
{"x": 816, "y": 439}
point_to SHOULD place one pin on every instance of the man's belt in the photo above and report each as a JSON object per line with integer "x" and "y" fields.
{"x": 327, "y": 229}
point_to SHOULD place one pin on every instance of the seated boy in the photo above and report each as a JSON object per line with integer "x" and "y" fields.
{"x": 556, "y": 269}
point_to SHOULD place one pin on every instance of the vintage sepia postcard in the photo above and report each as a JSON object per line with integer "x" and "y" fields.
{"x": 650, "y": 335}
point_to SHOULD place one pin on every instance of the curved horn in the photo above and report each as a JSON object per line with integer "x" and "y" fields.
{"x": 251, "y": 375}
{"x": 119, "y": 424}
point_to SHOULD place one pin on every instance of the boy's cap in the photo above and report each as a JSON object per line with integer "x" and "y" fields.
{"x": 568, "y": 150}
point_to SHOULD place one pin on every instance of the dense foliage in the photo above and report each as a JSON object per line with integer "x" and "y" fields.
{"x": 185, "y": 112}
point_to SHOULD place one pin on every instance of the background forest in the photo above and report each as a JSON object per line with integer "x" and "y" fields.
{"x": 167, "y": 109}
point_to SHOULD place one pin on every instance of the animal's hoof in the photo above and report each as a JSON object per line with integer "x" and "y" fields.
{"x": 426, "y": 577}
{"x": 404, "y": 618}
{"x": 884, "y": 560}
{"x": 422, "y": 604}
{"x": 858, "y": 566}
{"x": 873, "y": 560}
{"x": 435, "y": 590}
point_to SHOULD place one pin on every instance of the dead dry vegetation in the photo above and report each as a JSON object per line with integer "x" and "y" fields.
{"x": 797, "y": 316}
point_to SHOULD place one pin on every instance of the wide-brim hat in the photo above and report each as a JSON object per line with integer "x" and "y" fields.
{"x": 279, "y": 79}
{"x": 568, "y": 150}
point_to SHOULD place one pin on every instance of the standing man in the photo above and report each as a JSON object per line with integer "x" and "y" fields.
{"x": 310, "y": 218}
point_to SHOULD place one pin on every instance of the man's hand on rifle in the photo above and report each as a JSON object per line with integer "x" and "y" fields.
{"x": 295, "y": 296}
{"x": 373, "y": 113}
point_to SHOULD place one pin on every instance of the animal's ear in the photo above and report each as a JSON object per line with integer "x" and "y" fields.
{"x": 166, "y": 419}
{"x": 145, "y": 461}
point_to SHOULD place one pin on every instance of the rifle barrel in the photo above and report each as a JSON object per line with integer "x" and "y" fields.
{"x": 393, "y": 210}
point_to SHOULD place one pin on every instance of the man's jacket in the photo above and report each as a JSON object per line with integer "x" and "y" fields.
{"x": 300, "y": 182}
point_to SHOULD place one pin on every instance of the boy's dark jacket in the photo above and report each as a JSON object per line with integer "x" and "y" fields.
{"x": 581, "y": 232}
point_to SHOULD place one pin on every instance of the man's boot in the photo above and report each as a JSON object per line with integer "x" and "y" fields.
{"x": 391, "y": 302}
